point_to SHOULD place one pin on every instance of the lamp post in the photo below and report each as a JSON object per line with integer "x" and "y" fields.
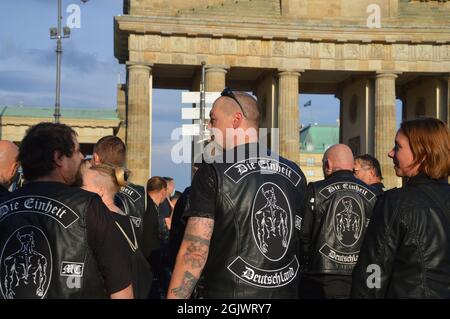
{"x": 55, "y": 33}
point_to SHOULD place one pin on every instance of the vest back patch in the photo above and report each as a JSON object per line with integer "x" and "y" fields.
{"x": 60, "y": 212}
{"x": 271, "y": 221}
{"x": 264, "y": 278}
{"x": 26, "y": 264}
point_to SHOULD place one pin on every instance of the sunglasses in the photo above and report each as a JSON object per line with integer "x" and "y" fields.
{"x": 227, "y": 92}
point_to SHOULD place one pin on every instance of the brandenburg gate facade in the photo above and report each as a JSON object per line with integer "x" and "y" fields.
{"x": 368, "y": 53}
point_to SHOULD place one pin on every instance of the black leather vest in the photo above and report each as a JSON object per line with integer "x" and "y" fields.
{"x": 131, "y": 199}
{"x": 44, "y": 246}
{"x": 342, "y": 206}
{"x": 254, "y": 246}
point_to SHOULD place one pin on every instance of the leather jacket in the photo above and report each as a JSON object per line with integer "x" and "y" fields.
{"x": 336, "y": 213}
{"x": 254, "y": 246}
{"x": 131, "y": 199}
{"x": 43, "y": 237}
{"x": 406, "y": 251}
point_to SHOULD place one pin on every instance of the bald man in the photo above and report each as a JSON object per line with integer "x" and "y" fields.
{"x": 241, "y": 237}
{"x": 8, "y": 165}
{"x": 333, "y": 222}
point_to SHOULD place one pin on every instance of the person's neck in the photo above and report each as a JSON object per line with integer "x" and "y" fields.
{"x": 109, "y": 202}
{"x": 52, "y": 177}
{"x": 376, "y": 181}
{"x": 155, "y": 198}
{"x": 4, "y": 183}
{"x": 247, "y": 140}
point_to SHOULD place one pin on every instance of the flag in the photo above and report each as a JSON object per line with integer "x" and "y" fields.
{"x": 307, "y": 104}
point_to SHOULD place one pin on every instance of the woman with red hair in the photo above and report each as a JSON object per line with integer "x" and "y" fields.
{"x": 406, "y": 249}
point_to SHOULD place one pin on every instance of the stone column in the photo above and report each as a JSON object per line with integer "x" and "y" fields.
{"x": 288, "y": 114}
{"x": 122, "y": 111}
{"x": 448, "y": 101}
{"x": 215, "y": 78}
{"x": 385, "y": 126}
{"x": 139, "y": 122}
{"x": 339, "y": 95}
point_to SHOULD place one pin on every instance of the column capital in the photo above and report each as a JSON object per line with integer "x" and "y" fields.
{"x": 387, "y": 74}
{"x": 292, "y": 72}
{"x": 217, "y": 68}
{"x": 139, "y": 65}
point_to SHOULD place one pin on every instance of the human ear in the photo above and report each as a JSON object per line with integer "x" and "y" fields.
{"x": 237, "y": 120}
{"x": 58, "y": 158}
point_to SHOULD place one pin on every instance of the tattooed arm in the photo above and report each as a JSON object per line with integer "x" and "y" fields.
{"x": 191, "y": 257}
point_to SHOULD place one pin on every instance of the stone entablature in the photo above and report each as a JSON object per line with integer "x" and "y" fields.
{"x": 90, "y": 130}
{"x": 277, "y": 53}
{"x": 347, "y": 10}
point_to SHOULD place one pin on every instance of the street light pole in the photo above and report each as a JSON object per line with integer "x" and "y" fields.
{"x": 55, "y": 33}
{"x": 58, "y": 67}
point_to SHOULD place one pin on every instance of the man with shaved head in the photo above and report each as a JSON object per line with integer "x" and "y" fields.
{"x": 8, "y": 165}
{"x": 333, "y": 223}
{"x": 241, "y": 239}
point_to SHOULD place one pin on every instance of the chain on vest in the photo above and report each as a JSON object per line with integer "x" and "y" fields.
{"x": 131, "y": 199}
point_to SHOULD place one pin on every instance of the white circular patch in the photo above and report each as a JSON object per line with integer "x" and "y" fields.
{"x": 26, "y": 264}
{"x": 271, "y": 221}
{"x": 348, "y": 220}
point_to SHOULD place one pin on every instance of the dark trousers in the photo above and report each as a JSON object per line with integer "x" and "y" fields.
{"x": 325, "y": 287}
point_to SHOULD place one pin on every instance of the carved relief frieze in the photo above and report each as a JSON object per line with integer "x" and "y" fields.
{"x": 229, "y": 46}
{"x": 376, "y": 51}
{"x": 253, "y": 47}
{"x": 401, "y": 51}
{"x": 326, "y": 50}
{"x": 424, "y": 52}
{"x": 204, "y": 45}
{"x": 351, "y": 51}
{"x": 178, "y": 44}
{"x": 445, "y": 52}
{"x": 302, "y": 49}
{"x": 278, "y": 48}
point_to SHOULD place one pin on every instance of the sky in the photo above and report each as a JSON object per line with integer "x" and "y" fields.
{"x": 90, "y": 72}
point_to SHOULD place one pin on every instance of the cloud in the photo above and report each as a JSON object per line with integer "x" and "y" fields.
{"x": 86, "y": 80}
{"x": 72, "y": 58}
{"x": 8, "y": 48}
{"x": 21, "y": 81}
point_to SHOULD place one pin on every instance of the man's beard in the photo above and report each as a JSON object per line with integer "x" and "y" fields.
{"x": 78, "y": 182}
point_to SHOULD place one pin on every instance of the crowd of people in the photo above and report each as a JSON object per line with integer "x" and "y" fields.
{"x": 251, "y": 227}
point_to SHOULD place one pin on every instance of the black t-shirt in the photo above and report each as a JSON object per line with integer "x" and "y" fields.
{"x": 178, "y": 225}
{"x": 110, "y": 249}
{"x": 141, "y": 272}
{"x": 203, "y": 193}
{"x": 125, "y": 222}
{"x": 4, "y": 193}
{"x": 151, "y": 232}
{"x": 164, "y": 210}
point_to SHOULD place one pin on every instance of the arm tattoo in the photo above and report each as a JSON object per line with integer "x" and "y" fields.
{"x": 198, "y": 234}
{"x": 197, "y": 251}
{"x": 192, "y": 256}
{"x": 202, "y": 227}
{"x": 188, "y": 283}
